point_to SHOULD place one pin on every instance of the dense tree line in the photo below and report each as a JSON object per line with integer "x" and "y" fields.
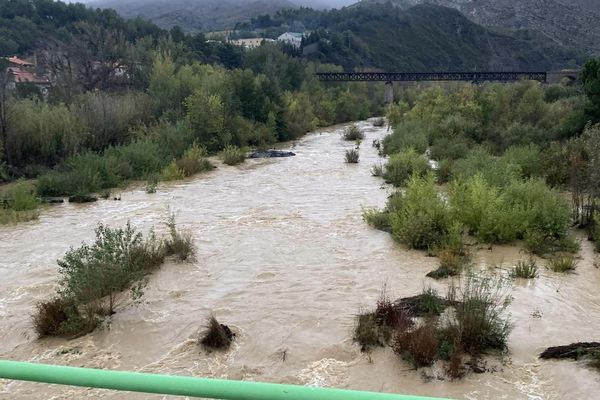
{"x": 174, "y": 94}
{"x": 504, "y": 154}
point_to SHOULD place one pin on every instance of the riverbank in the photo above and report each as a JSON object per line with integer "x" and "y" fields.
{"x": 285, "y": 259}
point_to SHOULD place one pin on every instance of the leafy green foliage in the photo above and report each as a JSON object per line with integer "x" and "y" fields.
{"x": 401, "y": 166}
{"x": 480, "y": 322}
{"x": 564, "y": 264}
{"x": 525, "y": 269}
{"x": 590, "y": 77}
{"x": 232, "y": 155}
{"x": 95, "y": 277}
{"x": 422, "y": 220}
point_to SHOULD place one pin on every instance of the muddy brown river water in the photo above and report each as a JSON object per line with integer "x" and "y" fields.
{"x": 285, "y": 259}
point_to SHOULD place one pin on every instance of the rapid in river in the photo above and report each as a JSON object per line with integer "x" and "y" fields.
{"x": 285, "y": 259}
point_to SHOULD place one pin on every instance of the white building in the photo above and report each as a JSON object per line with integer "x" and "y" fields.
{"x": 250, "y": 43}
{"x": 293, "y": 38}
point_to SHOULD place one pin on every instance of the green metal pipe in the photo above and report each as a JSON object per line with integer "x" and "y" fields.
{"x": 181, "y": 385}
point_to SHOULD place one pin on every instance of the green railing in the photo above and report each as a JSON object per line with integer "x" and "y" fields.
{"x": 181, "y": 385}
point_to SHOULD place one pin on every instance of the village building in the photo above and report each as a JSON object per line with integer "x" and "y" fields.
{"x": 22, "y": 72}
{"x": 250, "y": 43}
{"x": 293, "y": 38}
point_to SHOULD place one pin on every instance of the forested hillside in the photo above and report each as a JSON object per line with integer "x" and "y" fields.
{"x": 194, "y": 15}
{"x": 425, "y": 37}
{"x": 572, "y": 23}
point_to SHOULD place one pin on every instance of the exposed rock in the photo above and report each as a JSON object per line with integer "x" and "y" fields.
{"x": 573, "y": 351}
{"x": 271, "y": 154}
{"x": 53, "y": 200}
{"x": 82, "y": 198}
{"x": 414, "y": 306}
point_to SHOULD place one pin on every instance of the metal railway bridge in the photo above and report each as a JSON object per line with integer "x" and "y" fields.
{"x": 476, "y": 77}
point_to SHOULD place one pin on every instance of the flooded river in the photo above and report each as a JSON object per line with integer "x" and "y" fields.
{"x": 285, "y": 259}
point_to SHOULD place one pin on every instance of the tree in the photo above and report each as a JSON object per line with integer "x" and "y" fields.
{"x": 100, "y": 272}
{"x": 206, "y": 115}
{"x": 3, "y": 100}
{"x": 590, "y": 77}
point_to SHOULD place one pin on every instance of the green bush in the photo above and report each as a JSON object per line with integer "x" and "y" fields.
{"x": 496, "y": 171}
{"x": 136, "y": 159}
{"x": 545, "y": 243}
{"x": 151, "y": 184}
{"x": 480, "y": 322}
{"x": 232, "y": 155}
{"x": 564, "y": 264}
{"x": 449, "y": 148}
{"x": 353, "y": 133}
{"x": 172, "y": 172}
{"x": 509, "y": 213}
{"x": 191, "y": 166}
{"x": 401, "y": 166}
{"x": 60, "y": 317}
{"x": 525, "y": 269}
{"x": 179, "y": 244}
{"x": 527, "y": 157}
{"x": 595, "y": 233}
{"x": 95, "y": 275}
{"x": 422, "y": 220}
{"x": 20, "y": 197}
{"x": 407, "y": 134}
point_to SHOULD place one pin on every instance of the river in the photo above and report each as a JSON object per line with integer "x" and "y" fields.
{"x": 285, "y": 259}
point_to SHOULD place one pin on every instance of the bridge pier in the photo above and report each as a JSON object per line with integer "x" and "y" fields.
{"x": 388, "y": 96}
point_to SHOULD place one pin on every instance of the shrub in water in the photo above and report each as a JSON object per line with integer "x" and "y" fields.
{"x": 232, "y": 155}
{"x": 97, "y": 274}
{"x": 216, "y": 336}
{"x": 377, "y": 170}
{"x": 192, "y": 166}
{"x": 377, "y": 219}
{"x": 480, "y": 321}
{"x": 352, "y": 156}
{"x": 21, "y": 197}
{"x": 374, "y": 329}
{"x": 60, "y": 317}
{"x": 525, "y": 269}
{"x": 194, "y": 161}
{"x": 419, "y": 346}
{"x": 379, "y": 122}
{"x": 179, "y": 244}
{"x": 562, "y": 264}
{"x": 353, "y": 133}
{"x": 151, "y": 184}
{"x": 403, "y": 165}
{"x": 422, "y": 220}
{"x": 172, "y": 172}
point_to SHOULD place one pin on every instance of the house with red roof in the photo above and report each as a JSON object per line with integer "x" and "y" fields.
{"x": 22, "y": 72}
